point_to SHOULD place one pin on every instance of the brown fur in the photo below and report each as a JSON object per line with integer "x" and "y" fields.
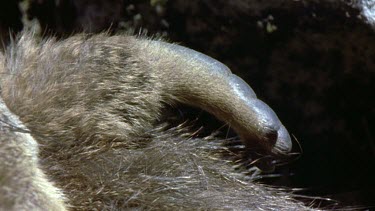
{"x": 92, "y": 102}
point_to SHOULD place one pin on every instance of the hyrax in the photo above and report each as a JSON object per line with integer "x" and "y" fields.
{"x": 78, "y": 128}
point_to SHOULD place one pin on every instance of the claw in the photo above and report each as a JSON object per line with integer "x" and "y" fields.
{"x": 199, "y": 80}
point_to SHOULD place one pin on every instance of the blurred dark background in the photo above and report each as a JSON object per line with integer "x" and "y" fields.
{"x": 313, "y": 62}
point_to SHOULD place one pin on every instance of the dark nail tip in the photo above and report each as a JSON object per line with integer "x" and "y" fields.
{"x": 284, "y": 143}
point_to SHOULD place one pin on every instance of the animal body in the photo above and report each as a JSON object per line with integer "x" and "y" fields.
{"x": 80, "y": 128}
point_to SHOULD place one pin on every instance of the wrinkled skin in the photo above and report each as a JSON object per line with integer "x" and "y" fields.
{"x": 88, "y": 138}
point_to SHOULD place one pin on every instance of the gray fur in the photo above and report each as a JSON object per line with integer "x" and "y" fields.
{"x": 92, "y": 102}
{"x": 23, "y": 186}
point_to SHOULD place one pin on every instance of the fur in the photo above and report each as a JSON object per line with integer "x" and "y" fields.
{"x": 88, "y": 135}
